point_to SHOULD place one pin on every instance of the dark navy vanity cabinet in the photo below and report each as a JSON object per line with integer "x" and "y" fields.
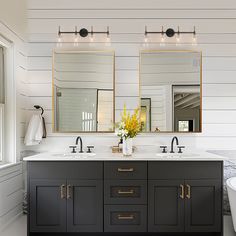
{"x": 185, "y": 197}
{"x": 65, "y": 196}
{"x": 145, "y": 197}
{"x": 125, "y": 196}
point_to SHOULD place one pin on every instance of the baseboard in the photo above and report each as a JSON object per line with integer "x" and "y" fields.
{"x": 228, "y": 226}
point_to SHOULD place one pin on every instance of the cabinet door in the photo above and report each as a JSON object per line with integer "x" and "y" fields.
{"x": 203, "y": 206}
{"x": 165, "y": 206}
{"x": 84, "y": 206}
{"x": 47, "y": 205}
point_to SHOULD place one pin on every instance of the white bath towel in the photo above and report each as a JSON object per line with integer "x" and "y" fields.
{"x": 34, "y": 132}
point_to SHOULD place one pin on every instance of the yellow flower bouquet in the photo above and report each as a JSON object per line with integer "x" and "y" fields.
{"x": 130, "y": 125}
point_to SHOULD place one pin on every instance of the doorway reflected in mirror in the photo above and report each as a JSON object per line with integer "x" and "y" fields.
{"x": 170, "y": 91}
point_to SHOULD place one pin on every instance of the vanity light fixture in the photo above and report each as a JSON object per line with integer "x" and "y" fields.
{"x": 108, "y": 36}
{"x": 59, "y": 41}
{"x": 194, "y": 39}
{"x": 170, "y": 33}
{"x": 178, "y": 35}
{"x": 83, "y": 33}
{"x": 145, "y": 39}
{"x": 91, "y": 37}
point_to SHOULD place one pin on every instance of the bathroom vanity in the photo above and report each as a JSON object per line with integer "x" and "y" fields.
{"x": 142, "y": 194}
{"x": 148, "y": 193}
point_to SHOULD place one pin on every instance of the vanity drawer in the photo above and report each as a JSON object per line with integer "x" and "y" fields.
{"x": 125, "y": 218}
{"x": 125, "y": 170}
{"x": 125, "y": 192}
{"x": 66, "y": 170}
{"x": 185, "y": 170}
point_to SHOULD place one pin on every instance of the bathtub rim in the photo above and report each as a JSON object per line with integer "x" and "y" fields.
{"x": 229, "y": 183}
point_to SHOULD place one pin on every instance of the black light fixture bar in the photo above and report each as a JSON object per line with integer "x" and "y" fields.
{"x": 153, "y": 32}
{"x": 169, "y": 32}
{"x": 83, "y": 32}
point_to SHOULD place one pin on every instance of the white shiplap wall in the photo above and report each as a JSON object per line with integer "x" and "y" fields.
{"x": 11, "y": 194}
{"x": 215, "y": 23}
{"x": 159, "y": 109}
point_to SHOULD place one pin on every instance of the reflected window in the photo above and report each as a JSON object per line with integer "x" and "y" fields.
{"x": 185, "y": 125}
{"x": 145, "y": 115}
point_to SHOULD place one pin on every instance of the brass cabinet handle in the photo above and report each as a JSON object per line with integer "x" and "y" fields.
{"x": 125, "y": 169}
{"x": 68, "y": 191}
{"x": 62, "y": 190}
{"x": 125, "y": 217}
{"x": 188, "y": 195}
{"x": 126, "y": 192}
{"x": 182, "y": 191}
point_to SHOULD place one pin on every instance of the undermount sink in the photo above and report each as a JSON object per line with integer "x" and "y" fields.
{"x": 177, "y": 155}
{"x": 75, "y": 155}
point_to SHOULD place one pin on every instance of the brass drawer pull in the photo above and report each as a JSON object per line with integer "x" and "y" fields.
{"x": 125, "y": 169}
{"x": 126, "y": 192}
{"x": 62, "y": 190}
{"x": 68, "y": 191}
{"x": 188, "y": 195}
{"x": 182, "y": 191}
{"x": 125, "y": 217}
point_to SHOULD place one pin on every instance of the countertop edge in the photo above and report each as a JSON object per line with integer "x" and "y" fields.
{"x": 205, "y": 156}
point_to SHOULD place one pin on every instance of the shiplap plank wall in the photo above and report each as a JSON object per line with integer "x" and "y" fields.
{"x": 11, "y": 194}
{"x": 216, "y": 36}
{"x": 158, "y": 105}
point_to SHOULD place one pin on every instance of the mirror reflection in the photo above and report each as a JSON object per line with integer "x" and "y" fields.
{"x": 83, "y": 91}
{"x": 170, "y": 91}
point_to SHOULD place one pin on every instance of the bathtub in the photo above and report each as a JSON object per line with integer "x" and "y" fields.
{"x": 231, "y": 188}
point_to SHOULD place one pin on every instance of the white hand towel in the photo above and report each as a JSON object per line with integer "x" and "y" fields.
{"x": 34, "y": 132}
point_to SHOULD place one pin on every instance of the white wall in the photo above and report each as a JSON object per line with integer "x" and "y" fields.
{"x": 12, "y": 27}
{"x": 215, "y": 23}
{"x": 159, "y": 112}
{"x": 13, "y": 15}
{"x": 11, "y": 194}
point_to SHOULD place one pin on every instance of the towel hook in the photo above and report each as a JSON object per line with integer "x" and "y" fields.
{"x": 39, "y": 107}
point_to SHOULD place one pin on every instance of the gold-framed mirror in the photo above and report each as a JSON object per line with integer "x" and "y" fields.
{"x": 170, "y": 91}
{"x": 83, "y": 91}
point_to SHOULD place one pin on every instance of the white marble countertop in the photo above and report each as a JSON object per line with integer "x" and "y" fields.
{"x": 198, "y": 156}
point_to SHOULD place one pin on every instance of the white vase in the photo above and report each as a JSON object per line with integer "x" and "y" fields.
{"x": 127, "y": 146}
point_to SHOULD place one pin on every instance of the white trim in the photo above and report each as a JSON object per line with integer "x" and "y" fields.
{"x": 9, "y": 165}
{"x": 5, "y": 42}
{"x": 10, "y": 106}
{"x": 1, "y": 132}
{"x": 9, "y": 155}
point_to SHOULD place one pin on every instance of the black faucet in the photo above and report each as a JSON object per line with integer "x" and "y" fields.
{"x": 172, "y": 143}
{"x": 81, "y": 143}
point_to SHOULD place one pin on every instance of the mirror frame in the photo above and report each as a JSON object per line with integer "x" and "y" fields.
{"x": 173, "y": 51}
{"x": 53, "y": 98}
